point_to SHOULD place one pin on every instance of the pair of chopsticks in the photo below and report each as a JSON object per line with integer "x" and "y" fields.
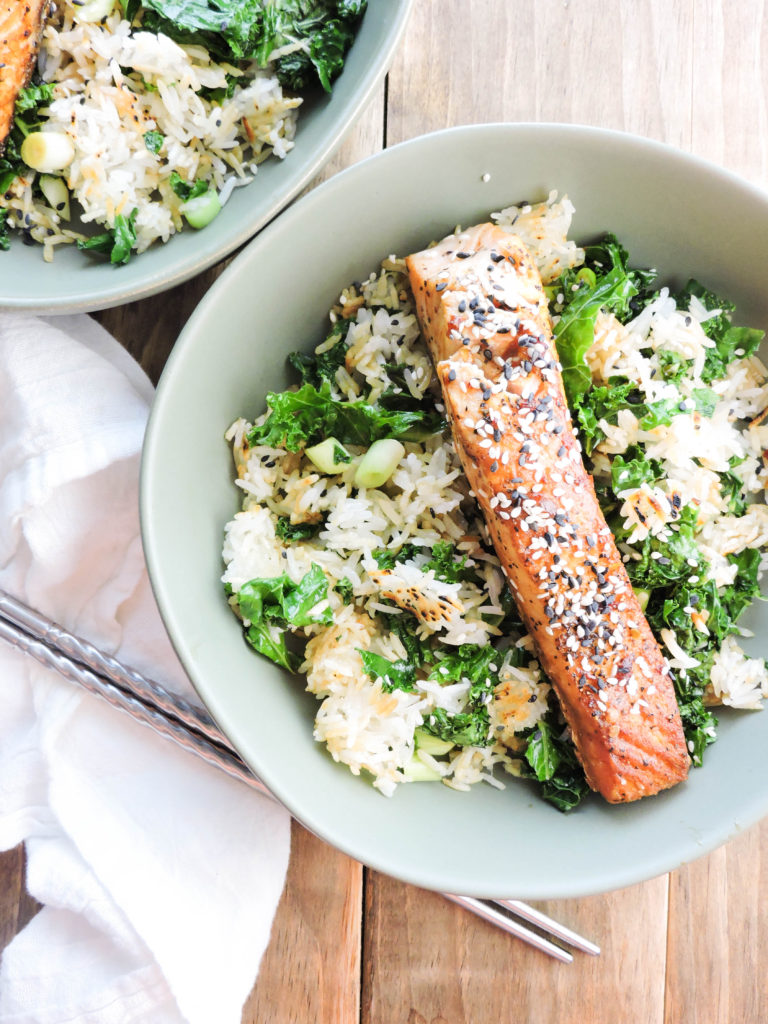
{"x": 193, "y": 729}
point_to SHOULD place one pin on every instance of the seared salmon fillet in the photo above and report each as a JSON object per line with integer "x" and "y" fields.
{"x": 21, "y": 23}
{"x": 484, "y": 314}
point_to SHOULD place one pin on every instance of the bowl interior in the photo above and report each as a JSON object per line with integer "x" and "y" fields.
{"x": 73, "y": 281}
{"x": 672, "y": 211}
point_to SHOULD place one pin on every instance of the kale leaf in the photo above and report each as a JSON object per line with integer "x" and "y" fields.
{"x": 286, "y": 530}
{"x": 470, "y": 727}
{"x": 633, "y": 468}
{"x": 443, "y": 560}
{"x": 728, "y": 339}
{"x": 273, "y": 605}
{"x": 664, "y": 561}
{"x": 394, "y": 675}
{"x": 551, "y": 759}
{"x": 117, "y": 243}
{"x": 345, "y": 589}
{"x": 615, "y": 286}
{"x": 605, "y": 402}
{"x": 300, "y": 418}
{"x": 187, "y": 190}
{"x": 5, "y": 242}
{"x": 721, "y": 608}
{"x": 315, "y": 369}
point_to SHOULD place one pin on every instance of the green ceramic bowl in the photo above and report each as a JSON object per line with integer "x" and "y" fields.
{"x": 683, "y": 215}
{"x": 75, "y": 282}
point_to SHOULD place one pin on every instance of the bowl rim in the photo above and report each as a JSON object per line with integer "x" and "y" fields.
{"x": 620, "y": 875}
{"x": 182, "y": 270}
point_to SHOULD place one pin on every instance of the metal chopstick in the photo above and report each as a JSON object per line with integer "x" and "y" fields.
{"x": 192, "y": 728}
{"x": 494, "y": 916}
{"x": 159, "y": 721}
{"x": 548, "y": 924}
{"x": 57, "y": 638}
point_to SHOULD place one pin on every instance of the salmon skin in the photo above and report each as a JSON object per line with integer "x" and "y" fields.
{"x": 484, "y": 315}
{"x": 21, "y": 24}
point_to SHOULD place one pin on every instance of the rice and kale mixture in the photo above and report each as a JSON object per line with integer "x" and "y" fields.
{"x": 144, "y": 115}
{"x": 360, "y": 560}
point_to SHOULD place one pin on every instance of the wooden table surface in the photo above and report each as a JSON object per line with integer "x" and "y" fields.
{"x": 348, "y": 944}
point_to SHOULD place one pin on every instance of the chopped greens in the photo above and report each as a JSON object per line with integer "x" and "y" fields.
{"x": 551, "y": 759}
{"x": 286, "y": 530}
{"x": 316, "y": 34}
{"x": 154, "y": 141}
{"x": 729, "y": 340}
{"x": 315, "y": 369}
{"x": 185, "y": 189}
{"x": 470, "y": 663}
{"x": 299, "y": 418}
{"x": 394, "y": 675}
{"x": 345, "y": 588}
{"x": 665, "y": 561}
{"x": 270, "y": 606}
{"x": 4, "y": 240}
{"x": 720, "y": 609}
{"x": 27, "y": 119}
{"x": 116, "y": 243}
{"x": 443, "y": 560}
{"x": 611, "y": 291}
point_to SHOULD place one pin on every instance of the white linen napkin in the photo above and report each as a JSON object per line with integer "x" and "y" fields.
{"x": 159, "y": 875}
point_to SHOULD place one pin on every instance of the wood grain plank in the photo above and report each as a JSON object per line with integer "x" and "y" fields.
{"x": 624, "y": 65}
{"x": 311, "y": 969}
{"x": 718, "y": 933}
{"x": 428, "y": 961}
{"x": 17, "y": 907}
{"x": 730, "y": 86}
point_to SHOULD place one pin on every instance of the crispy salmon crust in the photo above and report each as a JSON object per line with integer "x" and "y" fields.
{"x": 21, "y": 24}
{"x": 484, "y": 314}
